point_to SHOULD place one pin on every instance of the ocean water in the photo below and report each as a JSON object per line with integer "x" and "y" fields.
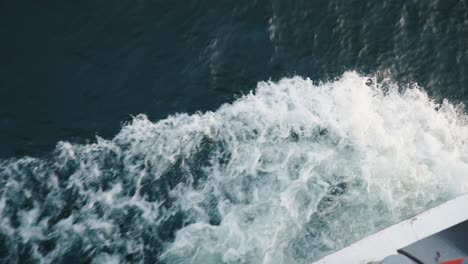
{"x": 285, "y": 174}
{"x": 225, "y": 132}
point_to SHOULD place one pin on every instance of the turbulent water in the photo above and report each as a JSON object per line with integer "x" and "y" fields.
{"x": 284, "y": 171}
{"x": 285, "y": 174}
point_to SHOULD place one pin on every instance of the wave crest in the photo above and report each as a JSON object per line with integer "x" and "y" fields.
{"x": 286, "y": 174}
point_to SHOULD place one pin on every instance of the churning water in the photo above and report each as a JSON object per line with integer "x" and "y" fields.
{"x": 285, "y": 174}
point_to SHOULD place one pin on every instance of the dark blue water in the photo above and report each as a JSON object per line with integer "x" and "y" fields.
{"x": 196, "y": 159}
{"x": 70, "y": 71}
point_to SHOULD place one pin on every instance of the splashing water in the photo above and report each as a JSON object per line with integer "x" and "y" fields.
{"x": 283, "y": 175}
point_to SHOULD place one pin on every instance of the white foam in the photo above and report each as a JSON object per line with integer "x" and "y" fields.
{"x": 285, "y": 174}
{"x": 394, "y": 151}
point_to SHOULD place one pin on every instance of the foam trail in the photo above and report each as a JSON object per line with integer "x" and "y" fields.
{"x": 283, "y": 175}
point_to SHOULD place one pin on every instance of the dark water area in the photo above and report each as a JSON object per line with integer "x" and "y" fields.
{"x": 72, "y": 70}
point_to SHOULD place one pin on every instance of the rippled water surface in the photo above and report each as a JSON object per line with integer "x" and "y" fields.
{"x": 227, "y": 132}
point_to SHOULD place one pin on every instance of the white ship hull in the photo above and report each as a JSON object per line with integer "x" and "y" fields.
{"x": 434, "y": 236}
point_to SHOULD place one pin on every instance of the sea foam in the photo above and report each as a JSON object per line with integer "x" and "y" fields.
{"x": 288, "y": 173}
